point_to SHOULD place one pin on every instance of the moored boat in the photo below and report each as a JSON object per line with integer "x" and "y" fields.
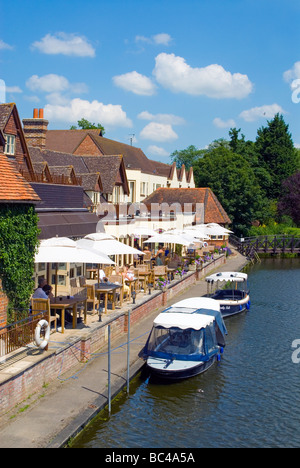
{"x": 234, "y": 297}
{"x": 186, "y": 339}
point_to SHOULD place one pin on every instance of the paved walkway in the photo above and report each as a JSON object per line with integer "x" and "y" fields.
{"x": 51, "y": 418}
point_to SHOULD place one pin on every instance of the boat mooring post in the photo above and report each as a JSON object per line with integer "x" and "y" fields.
{"x": 128, "y": 352}
{"x": 109, "y": 371}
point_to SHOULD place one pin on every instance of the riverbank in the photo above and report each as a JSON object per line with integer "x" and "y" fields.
{"x": 64, "y": 407}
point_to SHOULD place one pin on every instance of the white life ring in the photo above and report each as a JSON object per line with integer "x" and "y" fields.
{"x": 37, "y": 334}
{"x": 205, "y": 244}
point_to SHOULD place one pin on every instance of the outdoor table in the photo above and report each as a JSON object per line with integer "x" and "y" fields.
{"x": 106, "y": 289}
{"x": 145, "y": 274}
{"x": 131, "y": 282}
{"x": 93, "y": 272}
{"x": 65, "y": 302}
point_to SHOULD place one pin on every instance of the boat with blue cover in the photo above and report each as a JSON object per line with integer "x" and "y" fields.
{"x": 231, "y": 290}
{"x": 186, "y": 339}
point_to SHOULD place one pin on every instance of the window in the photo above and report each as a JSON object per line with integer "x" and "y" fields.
{"x": 10, "y": 144}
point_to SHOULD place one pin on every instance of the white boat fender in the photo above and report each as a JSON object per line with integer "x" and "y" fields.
{"x": 37, "y": 334}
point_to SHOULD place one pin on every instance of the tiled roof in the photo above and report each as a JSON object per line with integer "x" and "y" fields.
{"x": 134, "y": 158}
{"x": 213, "y": 210}
{"x": 5, "y": 111}
{"x": 13, "y": 187}
{"x": 107, "y": 166}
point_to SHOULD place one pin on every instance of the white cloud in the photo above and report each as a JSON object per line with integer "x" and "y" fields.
{"x": 108, "y": 115}
{"x": 158, "y": 132}
{"x": 157, "y": 39}
{"x": 4, "y": 46}
{"x": 136, "y": 83}
{"x": 65, "y": 44}
{"x": 292, "y": 74}
{"x": 162, "y": 118}
{"x": 224, "y": 123}
{"x": 48, "y": 83}
{"x": 267, "y": 111}
{"x": 162, "y": 38}
{"x": 172, "y": 72}
{"x": 53, "y": 83}
{"x": 13, "y": 89}
{"x": 157, "y": 151}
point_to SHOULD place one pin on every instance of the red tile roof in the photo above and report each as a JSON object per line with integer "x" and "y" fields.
{"x": 213, "y": 210}
{"x": 13, "y": 187}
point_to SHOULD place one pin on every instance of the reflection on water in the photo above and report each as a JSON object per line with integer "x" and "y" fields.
{"x": 250, "y": 399}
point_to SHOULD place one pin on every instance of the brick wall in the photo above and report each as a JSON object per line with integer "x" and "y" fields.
{"x": 87, "y": 147}
{"x": 3, "y": 307}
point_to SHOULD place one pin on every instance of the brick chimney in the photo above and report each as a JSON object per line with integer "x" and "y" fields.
{"x": 35, "y": 129}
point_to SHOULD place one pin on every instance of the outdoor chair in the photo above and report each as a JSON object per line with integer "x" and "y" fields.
{"x": 82, "y": 281}
{"x": 43, "y": 305}
{"x": 159, "y": 271}
{"x": 92, "y": 298}
{"x": 118, "y": 279}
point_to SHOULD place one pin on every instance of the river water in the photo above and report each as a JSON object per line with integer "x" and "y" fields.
{"x": 250, "y": 399}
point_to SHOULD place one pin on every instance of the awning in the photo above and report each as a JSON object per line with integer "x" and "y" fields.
{"x": 68, "y": 224}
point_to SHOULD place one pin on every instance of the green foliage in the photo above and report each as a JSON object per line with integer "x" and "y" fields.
{"x": 276, "y": 154}
{"x": 276, "y": 229}
{"x": 188, "y": 156}
{"x": 84, "y": 124}
{"x": 233, "y": 181}
{"x": 18, "y": 243}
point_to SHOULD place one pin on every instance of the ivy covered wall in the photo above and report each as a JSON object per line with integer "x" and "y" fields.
{"x": 18, "y": 242}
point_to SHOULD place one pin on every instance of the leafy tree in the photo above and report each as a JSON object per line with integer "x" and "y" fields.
{"x": 276, "y": 154}
{"x": 289, "y": 203}
{"x": 86, "y": 125}
{"x": 248, "y": 150}
{"x": 233, "y": 181}
{"x": 188, "y": 156}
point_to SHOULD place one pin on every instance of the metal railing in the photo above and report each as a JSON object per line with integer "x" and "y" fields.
{"x": 20, "y": 333}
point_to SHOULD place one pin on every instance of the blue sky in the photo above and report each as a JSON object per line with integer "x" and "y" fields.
{"x": 171, "y": 73}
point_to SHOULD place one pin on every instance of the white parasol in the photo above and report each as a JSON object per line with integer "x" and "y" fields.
{"x": 106, "y": 244}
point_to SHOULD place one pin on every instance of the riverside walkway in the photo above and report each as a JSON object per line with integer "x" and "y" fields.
{"x": 53, "y": 417}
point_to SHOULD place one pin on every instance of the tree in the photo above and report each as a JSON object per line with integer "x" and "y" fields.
{"x": 188, "y": 156}
{"x": 276, "y": 154}
{"x": 86, "y": 125}
{"x": 289, "y": 202}
{"x": 233, "y": 181}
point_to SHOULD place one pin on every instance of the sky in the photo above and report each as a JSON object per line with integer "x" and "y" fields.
{"x": 161, "y": 75}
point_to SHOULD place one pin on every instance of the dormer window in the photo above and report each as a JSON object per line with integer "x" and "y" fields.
{"x": 10, "y": 145}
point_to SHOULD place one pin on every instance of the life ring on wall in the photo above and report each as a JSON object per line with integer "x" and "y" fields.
{"x": 205, "y": 244}
{"x": 37, "y": 334}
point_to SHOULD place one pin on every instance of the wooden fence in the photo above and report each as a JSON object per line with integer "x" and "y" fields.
{"x": 251, "y": 246}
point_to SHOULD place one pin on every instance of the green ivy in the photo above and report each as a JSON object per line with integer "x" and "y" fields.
{"x": 18, "y": 243}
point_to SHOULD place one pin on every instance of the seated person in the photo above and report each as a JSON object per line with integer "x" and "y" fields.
{"x": 39, "y": 293}
{"x": 48, "y": 290}
{"x": 158, "y": 260}
{"x": 127, "y": 275}
{"x": 102, "y": 276}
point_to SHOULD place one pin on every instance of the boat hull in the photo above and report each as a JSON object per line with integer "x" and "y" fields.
{"x": 178, "y": 371}
{"x": 229, "y": 308}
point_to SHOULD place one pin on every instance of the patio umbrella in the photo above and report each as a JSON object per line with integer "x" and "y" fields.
{"x": 65, "y": 250}
{"x": 169, "y": 238}
{"x": 142, "y": 231}
{"x": 106, "y": 244}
